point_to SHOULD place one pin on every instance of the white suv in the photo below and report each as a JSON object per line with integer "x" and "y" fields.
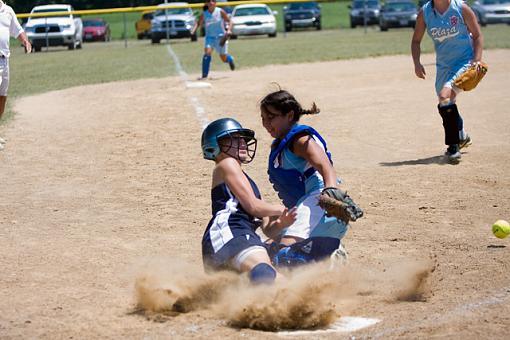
{"x": 62, "y": 30}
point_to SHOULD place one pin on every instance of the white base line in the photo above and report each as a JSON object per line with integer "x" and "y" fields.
{"x": 199, "y": 109}
{"x": 345, "y": 324}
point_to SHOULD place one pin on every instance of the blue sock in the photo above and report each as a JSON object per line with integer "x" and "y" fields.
{"x": 262, "y": 273}
{"x": 229, "y": 58}
{"x": 206, "y": 62}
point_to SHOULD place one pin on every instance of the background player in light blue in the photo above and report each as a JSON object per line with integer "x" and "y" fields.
{"x": 300, "y": 168}
{"x": 217, "y": 23}
{"x": 230, "y": 241}
{"x": 458, "y": 42}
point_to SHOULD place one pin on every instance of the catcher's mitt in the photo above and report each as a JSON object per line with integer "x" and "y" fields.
{"x": 338, "y": 204}
{"x": 472, "y": 76}
{"x": 224, "y": 39}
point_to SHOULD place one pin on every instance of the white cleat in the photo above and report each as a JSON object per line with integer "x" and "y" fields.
{"x": 453, "y": 154}
{"x": 338, "y": 258}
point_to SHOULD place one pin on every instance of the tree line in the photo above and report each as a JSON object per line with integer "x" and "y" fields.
{"x": 24, "y": 6}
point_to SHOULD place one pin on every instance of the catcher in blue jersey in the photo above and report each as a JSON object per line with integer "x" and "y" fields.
{"x": 218, "y": 28}
{"x": 458, "y": 43}
{"x": 301, "y": 171}
{"x": 230, "y": 240}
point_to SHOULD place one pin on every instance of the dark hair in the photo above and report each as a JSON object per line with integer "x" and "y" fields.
{"x": 284, "y": 102}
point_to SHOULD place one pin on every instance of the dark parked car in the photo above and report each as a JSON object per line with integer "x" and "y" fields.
{"x": 492, "y": 11}
{"x": 361, "y": 9}
{"x": 398, "y": 14}
{"x": 96, "y": 30}
{"x": 302, "y": 14}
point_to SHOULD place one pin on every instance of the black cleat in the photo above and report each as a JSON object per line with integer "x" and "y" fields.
{"x": 232, "y": 64}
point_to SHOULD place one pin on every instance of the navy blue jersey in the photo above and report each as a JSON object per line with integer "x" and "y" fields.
{"x": 230, "y": 230}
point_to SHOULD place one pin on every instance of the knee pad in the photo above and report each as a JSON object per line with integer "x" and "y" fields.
{"x": 262, "y": 273}
{"x": 451, "y": 117}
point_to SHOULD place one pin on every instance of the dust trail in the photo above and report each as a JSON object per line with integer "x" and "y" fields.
{"x": 310, "y": 297}
{"x": 408, "y": 281}
{"x": 172, "y": 287}
{"x": 307, "y": 298}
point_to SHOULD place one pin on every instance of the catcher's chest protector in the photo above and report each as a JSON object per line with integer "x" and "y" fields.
{"x": 290, "y": 183}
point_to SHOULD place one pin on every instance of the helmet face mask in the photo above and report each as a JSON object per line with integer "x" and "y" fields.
{"x": 239, "y": 145}
{"x": 228, "y": 136}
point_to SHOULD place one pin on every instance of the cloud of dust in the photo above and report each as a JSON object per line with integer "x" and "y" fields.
{"x": 305, "y": 298}
{"x": 309, "y": 297}
{"x": 172, "y": 286}
{"x": 411, "y": 280}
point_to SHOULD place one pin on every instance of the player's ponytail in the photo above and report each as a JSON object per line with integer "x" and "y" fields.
{"x": 284, "y": 102}
{"x": 314, "y": 110}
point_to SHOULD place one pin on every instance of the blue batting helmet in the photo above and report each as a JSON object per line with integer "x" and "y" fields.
{"x": 221, "y": 129}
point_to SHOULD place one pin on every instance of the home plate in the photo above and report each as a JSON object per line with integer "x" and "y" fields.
{"x": 197, "y": 84}
{"x": 343, "y": 325}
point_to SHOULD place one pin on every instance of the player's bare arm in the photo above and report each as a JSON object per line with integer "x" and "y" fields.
{"x": 25, "y": 42}
{"x": 306, "y": 147}
{"x": 419, "y": 31}
{"x": 198, "y": 23}
{"x": 232, "y": 174}
{"x": 474, "y": 29}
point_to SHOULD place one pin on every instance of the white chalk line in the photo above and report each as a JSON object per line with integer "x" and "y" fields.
{"x": 199, "y": 109}
{"x": 441, "y": 318}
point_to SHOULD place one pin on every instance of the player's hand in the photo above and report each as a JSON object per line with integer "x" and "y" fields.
{"x": 419, "y": 70}
{"x": 28, "y": 47}
{"x": 286, "y": 218}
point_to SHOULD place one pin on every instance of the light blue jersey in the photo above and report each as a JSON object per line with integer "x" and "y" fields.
{"x": 214, "y": 24}
{"x": 452, "y": 41}
{"x": 214, "y": 31}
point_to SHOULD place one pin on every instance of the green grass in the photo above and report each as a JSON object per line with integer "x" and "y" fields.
{"x": 109, "y": 62}
{"x": 95, "y": 63}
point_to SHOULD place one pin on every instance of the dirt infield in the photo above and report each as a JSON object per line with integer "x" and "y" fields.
{"x": 99, "y": 179}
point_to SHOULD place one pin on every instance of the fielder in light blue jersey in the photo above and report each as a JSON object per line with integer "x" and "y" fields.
{"x": 300, "y": 169}
{"x": 458, "y": 42}
{"x": 217, "y": 24}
